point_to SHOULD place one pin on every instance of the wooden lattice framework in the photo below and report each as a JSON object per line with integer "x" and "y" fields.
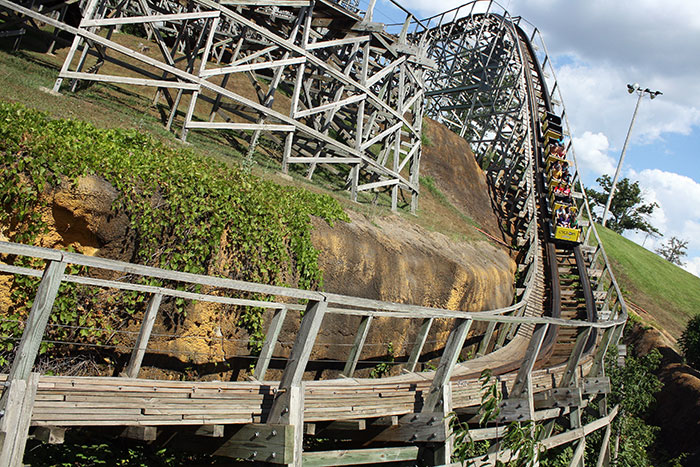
{"x": 354, "y": 93}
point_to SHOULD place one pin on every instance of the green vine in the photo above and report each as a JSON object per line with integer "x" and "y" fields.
{"x": 186, "y": 212}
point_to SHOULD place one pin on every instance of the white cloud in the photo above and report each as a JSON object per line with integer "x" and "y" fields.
{"x": 610, "y": 44}
{"x": 678, "y": 214}
{"x": 592, "y": 154}
{"x": 693, "y": 265}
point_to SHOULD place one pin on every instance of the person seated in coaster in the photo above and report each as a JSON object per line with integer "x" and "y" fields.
{"x": 565, "y": 176}
{"x": 556, "y": 171}
{"x": 562, "y": 218}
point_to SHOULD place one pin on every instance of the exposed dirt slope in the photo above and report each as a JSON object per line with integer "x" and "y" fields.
{"x": 450, "y": 161}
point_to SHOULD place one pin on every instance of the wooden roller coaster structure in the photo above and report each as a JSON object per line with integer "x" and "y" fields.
{"x": 358, "y": 95}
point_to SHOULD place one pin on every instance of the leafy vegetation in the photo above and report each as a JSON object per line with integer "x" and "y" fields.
{"x": 521, "y": 439}
{"x": 690, "y": 342}
{"x": 633, "y": 388}
{"x": 627, "y": 210}
{"x": 228, "y": 222}
{"x": 383, "y": 368}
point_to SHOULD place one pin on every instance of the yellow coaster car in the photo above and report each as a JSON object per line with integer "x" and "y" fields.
{"x": 568, "y": 234}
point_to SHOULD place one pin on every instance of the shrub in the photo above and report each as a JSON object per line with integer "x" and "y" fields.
{"x": 690, "y": 342}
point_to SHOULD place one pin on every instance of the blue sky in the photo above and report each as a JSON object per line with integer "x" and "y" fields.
{"x": 598, "y": 47}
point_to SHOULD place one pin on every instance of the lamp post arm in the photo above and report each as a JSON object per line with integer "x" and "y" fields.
{"x": 622, "y": 158}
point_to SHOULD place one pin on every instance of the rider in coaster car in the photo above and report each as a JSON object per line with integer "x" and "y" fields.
{"x": 556, "y": 171}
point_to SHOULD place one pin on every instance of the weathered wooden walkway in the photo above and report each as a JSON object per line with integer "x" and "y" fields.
{"x": 549, "y": 364}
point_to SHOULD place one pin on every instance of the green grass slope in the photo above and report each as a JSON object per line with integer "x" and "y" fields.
{"x": 670, "y": 294}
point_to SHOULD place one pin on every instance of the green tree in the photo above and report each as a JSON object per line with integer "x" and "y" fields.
{"x": 690, "y": 342}
{"x": 673, "y": 250}
{"x": 627, "y": 211}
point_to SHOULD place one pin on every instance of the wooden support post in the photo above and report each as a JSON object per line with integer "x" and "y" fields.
{"x": 604, "y": 453}
{"x": 87, "y": 14}
{"x": 268, "y": 348}
{"x": 149, "y": 318}
{"x": 17, "y": 413}
{"x": 357, "y": 346}
{"x": 611, "y": 335}
{"x": 299, "y": 356}
{"x": 577, "y": 460}
{"x": 288, "y": 142}
{"x": 419, "y": 344}
{"x": 202, "y": 66}
{"x": 439, "y": 398}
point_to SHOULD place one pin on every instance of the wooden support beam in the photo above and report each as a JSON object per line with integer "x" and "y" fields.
{"x": 149, "y": 18}
{"x": 210, "y": 431}
{"x": 140, "y": 433}
{"x": 268, "y": 349}
{"x": 528, "y": 363}
{"x": 260, "y": 443}
{"x": 356, "y": 350}
{"x": 559, "y": 397}
{"x": 425, "y": 427}
{"x": 484, "y": 344}
{"x": 568, "y": 377}
{"x": 360, "y": 456}
{"x": 514, "y": 410}
{"x": 596, "y": 385}
{"x": 127, "y": 80}
{"x": 299, "y": 356}
{"x": 149, "y": 319}
{"x": 604, "y": 452}
{"x": 50, "y": 434}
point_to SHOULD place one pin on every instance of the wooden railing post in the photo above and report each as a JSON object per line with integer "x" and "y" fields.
{"x": 37, "y": 320}
{"x": 484, "y": 344}
{"x": 356, "y": 350}
{"x": 17, "y": 414}
{"x": 439, "y": 398}
{"x": 149, "y": 318}
{"x": 581, "y": 340}
{"x": 268, "y": 348}
{"x": 288, "y": 406}
{"x": 420, "y": 343}
{"x": 528, "y": 363}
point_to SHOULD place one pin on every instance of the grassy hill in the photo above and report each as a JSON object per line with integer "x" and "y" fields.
{"x": 668, "y": 293}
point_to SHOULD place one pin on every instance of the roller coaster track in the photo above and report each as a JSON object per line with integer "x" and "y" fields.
{"x": 485, "y": 78}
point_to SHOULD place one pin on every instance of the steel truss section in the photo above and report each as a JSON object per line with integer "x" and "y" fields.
{"x": 353, "y": 94}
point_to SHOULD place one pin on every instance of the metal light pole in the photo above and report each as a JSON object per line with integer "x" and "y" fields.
{"x": 630, "y": 88}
